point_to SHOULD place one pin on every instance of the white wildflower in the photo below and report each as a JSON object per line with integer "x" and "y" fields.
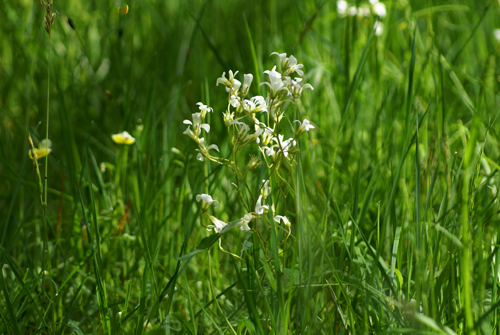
{"x": 232, "y": 84}
{"x": 204, "y": 149}
{"x": 289, "y": 65}
{"x": 255, "y": 104}
{"x": 206, "y": 201}
{"x": 364, "y": 11}
{"x": 275, "y": 83}
{"x": 245, "y": 220}
{"x": 342, "y": 8}
{"x": 197, "y": 127}
{"x": 379, "y": 28}
{"x": 352, "y": 11}
{"x": 285, "y": 220}
{"x": 379, "y": 9}
{"x": 204, "y": 109}
{"x": 284, "y": 146}
{"x": 259, "y": 208}
{"x": 304, "y": 126}
{"x": 296, "y": 90}
{"x": 218, "y": 225}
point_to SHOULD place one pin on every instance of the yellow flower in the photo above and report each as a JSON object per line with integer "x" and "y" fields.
{"x": 123, "y": 138}
{"x": 42, "y": 150}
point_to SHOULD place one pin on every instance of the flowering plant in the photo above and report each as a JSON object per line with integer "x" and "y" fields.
{"x": 256, "y": 123}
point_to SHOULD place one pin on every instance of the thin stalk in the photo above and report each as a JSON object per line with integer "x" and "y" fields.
{"x": 45, "y": 238}
{"x": 47, "y": 127}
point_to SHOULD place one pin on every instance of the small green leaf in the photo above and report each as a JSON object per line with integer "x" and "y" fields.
{"x": 400, "y": 277}
{"x": 208, "y": 241}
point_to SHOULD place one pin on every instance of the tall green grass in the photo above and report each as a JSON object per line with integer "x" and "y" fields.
{"x": 394, "y": 201}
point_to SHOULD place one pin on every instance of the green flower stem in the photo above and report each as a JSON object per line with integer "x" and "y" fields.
{"x": 47, "y": 127}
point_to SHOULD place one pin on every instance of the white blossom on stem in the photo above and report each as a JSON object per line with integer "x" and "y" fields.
{"x": 305, "y": 125}
{"x": 232, "y": 84}
{"x": 285, "y": 220}
{"x": 296, "y": 89}
{"x": 204, "y": 109}
{"x": 275, "y": 83}
{"x": 284, "y": 146}
{"x": 218, "y": 225}
{"x": 245, "y": 220}
{"x": 247, "y": 81}
{"x": 204, "y": 149}
{"x": 255, "y": 104}
{"x": 206, "y": 201}
{"x": 259, "y": 207}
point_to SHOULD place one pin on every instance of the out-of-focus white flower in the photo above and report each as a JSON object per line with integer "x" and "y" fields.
{"x": 206, "y": 201}
{"x": 296, "y": 90}
{"x": 204, "y": 149}
{"x": 352, "y": 11}
{"x": 379, "y": 9}
{"x": 259, "y": 207}
{"x": 379, "y": 28}
{"x": 247, "y": 81}
{"x": 496, "y": 33}
{"x": 364, "y": 11}
{"x": 255, "y": 104}
{"x": 285, "y": 220}
{"x": 373, "y": 1}
{"x": 231, "y": 84}
{"x": 304, "y": 126}
{"x": 218, "y": 225}
{"x": 275, "y": 83}
{"x": 342, "y": 8}
{"x": 245, "y": 220}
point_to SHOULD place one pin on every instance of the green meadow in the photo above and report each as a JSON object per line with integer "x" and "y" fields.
{"x": 353, "y": 189}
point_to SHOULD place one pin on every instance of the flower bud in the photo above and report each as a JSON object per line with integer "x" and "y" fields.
{"x": 265, "y": 190}
{"x": 293, "y": 151}
{"x": 228, "y": 117}
{"x": 254, "y": 163}
{"x": 246, "y": 84}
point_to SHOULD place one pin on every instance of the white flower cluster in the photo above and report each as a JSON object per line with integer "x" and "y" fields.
{"x": 196, "y": 131}
{"x": 219, "y": 225}
{"x": 365, "y": 10}
{"x": 244, "y": 119}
